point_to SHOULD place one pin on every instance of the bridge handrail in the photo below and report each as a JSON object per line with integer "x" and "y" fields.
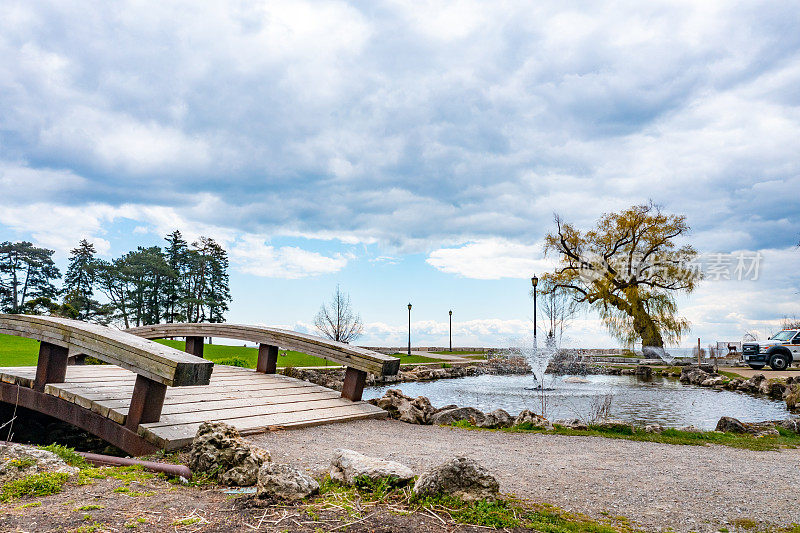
{"x": 146, "y": 358}
{"x": 346, "y": 354}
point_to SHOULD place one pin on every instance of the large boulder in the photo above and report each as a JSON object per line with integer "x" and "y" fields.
{"x": 448, "y": 416}
{"x": 18, "y": 461}
{"x": 729, "y": 424}
{"x": 284, "y": 482}
{"x": 497, "y": 419}
{"x": 532, "y": 419}
{"x": 349, "y": 467}
{"x": 219, "y": 450}
{"x": 696, "y": 375}
{"x": 404, "y": 408}
{"x": 460, "y": 477}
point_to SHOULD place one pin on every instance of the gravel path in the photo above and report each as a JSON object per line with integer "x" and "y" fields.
{"x": 657, "y": 486}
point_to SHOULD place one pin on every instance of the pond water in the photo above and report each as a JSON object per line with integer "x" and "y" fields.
{"x": 659, "y": 400}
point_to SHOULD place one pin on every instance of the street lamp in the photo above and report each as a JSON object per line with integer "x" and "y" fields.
{"x": 451, "y": 330}
{"x": 534, "y": 282}
{"x": 409, "y": 329}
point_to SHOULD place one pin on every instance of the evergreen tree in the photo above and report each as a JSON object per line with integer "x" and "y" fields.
{"x": 176, "y": 256}
{"x": 27, "y": 272}
{"x": 207, "y": 289}
{"x": 79, "y": 280}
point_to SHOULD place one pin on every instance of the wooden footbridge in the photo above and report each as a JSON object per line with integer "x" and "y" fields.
{"x": 150, "y": 396}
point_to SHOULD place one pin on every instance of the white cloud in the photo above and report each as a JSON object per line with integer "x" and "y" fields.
{"x": 252, "y": 255}
{"x": 491, "y": 259}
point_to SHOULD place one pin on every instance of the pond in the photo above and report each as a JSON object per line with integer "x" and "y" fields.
{"x": 663, "y": 401}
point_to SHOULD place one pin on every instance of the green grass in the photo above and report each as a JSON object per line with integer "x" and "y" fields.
{"x": 406, "y": 359}
{"x": 43, "y": 484}
{"x": 19, "y": 351}
{"x": 786, "y": 439}
{"x": 457, "y": 352}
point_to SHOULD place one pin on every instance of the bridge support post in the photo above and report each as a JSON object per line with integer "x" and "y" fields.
{"x": 194, "y": 346}
{"x": 146, "y": 403}
{"x": 267, "y": 359}
{"x": 353, "y": 386}
{"x": 51, "y": 366}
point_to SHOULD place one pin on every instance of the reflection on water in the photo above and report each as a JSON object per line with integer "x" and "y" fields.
{"x": 660, "y": 400}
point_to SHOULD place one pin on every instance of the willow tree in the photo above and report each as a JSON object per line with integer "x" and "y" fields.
{"x": 629, "y": 269}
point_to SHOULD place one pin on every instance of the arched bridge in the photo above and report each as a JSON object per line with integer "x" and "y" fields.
{"x": 150, "y": 396}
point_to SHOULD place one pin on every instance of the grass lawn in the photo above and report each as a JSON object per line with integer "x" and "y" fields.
{"x": 456, "y": 352}
{"x": 406, "y": 359}
{"x": 785, "y": 439}
{"x": 18, "y": 351}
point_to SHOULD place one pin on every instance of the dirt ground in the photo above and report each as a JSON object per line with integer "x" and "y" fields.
{"x": 657, "y": 486}
{"x": 155, "y": 505}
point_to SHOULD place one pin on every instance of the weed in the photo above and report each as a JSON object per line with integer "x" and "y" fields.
{"x": 43, "y": 484}
{"x": 68, "y": 455}
{"x": 31, "y": 504}
{"x": 22, "y": 464}
{"x": 90, "y": 528}
{"x": 188, "y": 521}
{"x": 89, "y": 507}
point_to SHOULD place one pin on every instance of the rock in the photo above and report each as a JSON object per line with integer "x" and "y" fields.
{"x": 448, "y": 416}
{"x": 734, "y": 384}
{"x": 218, "y": 450}
{"x": 615, "y": 425}
{"x": 792, "y": 395}
{"x": 460, "y": 477}
{"x": 406, "y": 409}
{"x": 536, "y": 421}
{"x": 752, "y": 384}
{"x": 348, "y": 466}
{"x": 792, "y": 424}
{"x": 18, "y": 461}
{"x": 772, "y": 388}
{"x": 644, "y": 371}
{"x": 713, "y": 382}
{"x": 695, "y": 375}
{"x": 729, "y": 424}
{"x": 690, "y": 429}
{"x": 497, "y": 419}
{"x": 284, "y": 482}
{"x": 654, "y": 428}
{"x": 574, "y": 423}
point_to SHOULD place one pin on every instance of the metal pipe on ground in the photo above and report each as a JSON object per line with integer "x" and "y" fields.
{"x": 109, "y": 460}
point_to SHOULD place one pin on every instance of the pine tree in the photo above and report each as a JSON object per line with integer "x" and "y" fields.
{"x": 176, "y": 256}
{"x": 79, "y": 280}
{"x": 26, "y": 273}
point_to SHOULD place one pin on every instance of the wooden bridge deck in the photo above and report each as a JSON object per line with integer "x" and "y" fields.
{"x": 248, "y": 400}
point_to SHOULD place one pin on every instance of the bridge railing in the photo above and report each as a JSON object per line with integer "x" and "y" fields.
{"x": 156, "y": 366}
{"x": 358, "y": 360}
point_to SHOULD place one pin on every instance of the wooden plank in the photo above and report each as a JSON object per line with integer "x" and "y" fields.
{"x": 346, "y": 354}
{"x": 155, "y": 361}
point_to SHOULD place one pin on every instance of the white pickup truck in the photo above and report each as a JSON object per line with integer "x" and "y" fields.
{"x": 778, "y": 351}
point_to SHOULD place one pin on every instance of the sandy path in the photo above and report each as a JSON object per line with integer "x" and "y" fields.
{"x": 656, "y": 485}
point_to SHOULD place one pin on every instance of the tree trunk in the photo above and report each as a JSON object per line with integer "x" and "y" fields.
{"x": 644, "y": 326}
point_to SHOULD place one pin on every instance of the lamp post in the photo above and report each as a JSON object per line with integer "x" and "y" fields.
{"x": 451, "y": 330}
{"x": 409, "y": 329}
{"x": 534, "y": 282}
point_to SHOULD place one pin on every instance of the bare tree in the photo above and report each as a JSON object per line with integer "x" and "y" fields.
{"x": 559, "y": 308}
{"x": 337, "y": 321}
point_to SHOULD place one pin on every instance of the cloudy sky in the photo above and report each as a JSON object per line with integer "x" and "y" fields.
{"x": 410, "y": 151}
